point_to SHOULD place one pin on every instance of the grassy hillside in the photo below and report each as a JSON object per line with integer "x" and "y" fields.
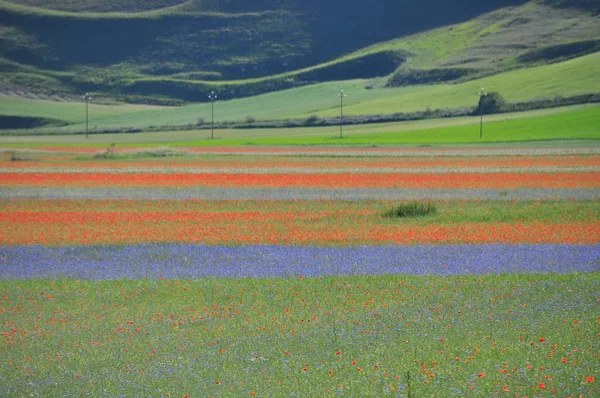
{"x": 569, "y": 78}
{"x": 99, "y": 6}
{"x": 333, "y": 29}
{"x": 161, "y": 49}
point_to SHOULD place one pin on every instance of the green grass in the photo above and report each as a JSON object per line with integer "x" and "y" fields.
{"x": 360, "y": 336}
{"x": 104, "y": 6}
{"x": 579, "y": 124}
{"x": 576, "y": 125}
{"x": 492, "y": 42}
{"x": 567, "y": 124}
{"x": 72, "y": 112}
{"x": 567, "y": 78}
{"x": 131, "y": 9}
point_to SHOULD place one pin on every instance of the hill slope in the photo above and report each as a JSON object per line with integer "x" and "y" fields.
{"x": 574, "y": 77}
{"x": 181, "y": 49}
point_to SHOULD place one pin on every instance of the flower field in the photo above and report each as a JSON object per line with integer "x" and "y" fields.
{"x": 312, "y": 180}
{"x": 274, "y": 272}
{"x": 72, "y": 222}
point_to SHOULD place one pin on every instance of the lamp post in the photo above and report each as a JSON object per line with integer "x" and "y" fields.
{"x": 87, "y": 97}
{"x": 482, "y": 94}
{"x": 212, "y": 97}
{"x": 342, "y": 96}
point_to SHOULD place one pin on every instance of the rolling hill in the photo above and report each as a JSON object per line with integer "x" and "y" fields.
{"x": 168, "y": 51}
{"x": 570, "y": 78}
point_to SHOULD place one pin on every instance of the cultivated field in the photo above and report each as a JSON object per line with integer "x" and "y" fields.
{"x": 433, "y": 242}
{"x": 282, "y": 270}
{"x": 566, "y": 123}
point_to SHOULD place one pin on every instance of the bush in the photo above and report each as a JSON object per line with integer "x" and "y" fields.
{"x": 490, "y": 103}
{"x": 411, "y": 209}
{"x": 109, "y": 153}
{"x": 15, "y": 158}
{"x": 407, "y": 77}
{"x": 312, "y": 119}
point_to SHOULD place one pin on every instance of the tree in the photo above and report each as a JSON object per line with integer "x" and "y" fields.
{"x": 490, "y": 103}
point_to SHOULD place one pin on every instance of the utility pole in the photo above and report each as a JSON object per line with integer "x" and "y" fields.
{"x": 87, "y": 97}
{"x": 212, "y": 97}
{"x": 482, "y": 94}
{"x": 342, "y": 96}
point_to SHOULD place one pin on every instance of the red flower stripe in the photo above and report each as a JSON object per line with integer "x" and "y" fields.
{"x": 279, "y": 162}
{"x": 266, "y": 231}
{"x": 359, "y": 180}
{"x": 80, "y": 217}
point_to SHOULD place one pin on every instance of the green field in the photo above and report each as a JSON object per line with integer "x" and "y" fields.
{"x": 133, "y": 264}
{"x": 70, "y": 112}
{"x": 581, "y": 124}
{"x": 568, "y": 78}
{"x": 355, "y": 336}
{"x": 567, "y": 123}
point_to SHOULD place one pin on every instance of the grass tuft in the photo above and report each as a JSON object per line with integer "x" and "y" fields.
{"x": 411, "y": 210}
{"x": 109, "y": 153}
{"x": 160, "y": 152}
{"x": 16, "y": 158}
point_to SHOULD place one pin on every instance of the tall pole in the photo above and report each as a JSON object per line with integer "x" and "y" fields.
{"x": 87, "y": 99}
{"x": 481, "y": 95}
{"x": 342, "y": 96}
{"x": 212, "y": 96}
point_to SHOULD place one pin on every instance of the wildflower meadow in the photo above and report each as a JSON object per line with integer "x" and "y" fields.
{"x": 289, "y": 271}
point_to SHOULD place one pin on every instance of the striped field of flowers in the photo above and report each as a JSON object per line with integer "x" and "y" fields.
{"x": 258, "y": 271}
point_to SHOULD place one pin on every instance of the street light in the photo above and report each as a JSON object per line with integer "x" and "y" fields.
{"x": 212, "y": 97}
{"x": 342, "y": 96}
{"x": 87, "y": 97}
{"x": 482, "y": 94}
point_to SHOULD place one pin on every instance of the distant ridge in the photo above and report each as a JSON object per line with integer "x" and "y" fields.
{"x": 176, "y": 48}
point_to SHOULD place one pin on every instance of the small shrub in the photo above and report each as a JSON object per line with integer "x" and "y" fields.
{"x": 312, "y": 119}
{"x": 159, "y": 152}
{"x": 109, "y": 153}
{"x": 411, "y": 209}
{"x": 428, "y": 113}
{"x": 111, "y": 149}
{"x": 15, "y": 158}
{"x": 250, "y": 119}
